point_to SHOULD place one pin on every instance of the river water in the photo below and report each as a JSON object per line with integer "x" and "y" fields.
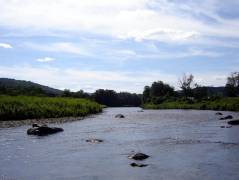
{"x": 182, "y": 144}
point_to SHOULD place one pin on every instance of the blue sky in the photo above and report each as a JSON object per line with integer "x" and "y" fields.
{"x": 121, "y": 45}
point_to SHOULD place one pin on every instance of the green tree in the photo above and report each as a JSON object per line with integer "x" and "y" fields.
{"x": 146, "y": 94}
{"x": 232, "y": 85}
{"x": 186, "y": 84}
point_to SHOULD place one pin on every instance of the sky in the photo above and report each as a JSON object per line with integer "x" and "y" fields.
{"x": 122, "y": 45}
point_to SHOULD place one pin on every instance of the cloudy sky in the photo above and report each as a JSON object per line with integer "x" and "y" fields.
{"x": 118, "y": 44}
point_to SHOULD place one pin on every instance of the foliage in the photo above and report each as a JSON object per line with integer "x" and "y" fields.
{"x": 113, "y": 99}
{"x": 157, "y": 92}
{"x": 28, "y": 107}
{"x": 227, "y": 103}
{"x": 186, "y": 83}
{"x": 232, "y": 85}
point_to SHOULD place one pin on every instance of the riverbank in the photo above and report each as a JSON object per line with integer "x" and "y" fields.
{"x": 29, "y": 107}
{"x": 222, "y": 104}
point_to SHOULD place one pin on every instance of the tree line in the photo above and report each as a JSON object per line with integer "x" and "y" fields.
{"x": 107, "y": 97}
{"x": 159, "y": 91}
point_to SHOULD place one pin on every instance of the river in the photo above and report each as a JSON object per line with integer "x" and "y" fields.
{"x": 182, "y": 144}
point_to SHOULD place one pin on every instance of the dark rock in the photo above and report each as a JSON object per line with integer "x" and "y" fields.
{"x": 234, "y": 122}
{"x": 94, "y": 140}
{"x": 138, "y": 165}
{"x": 119, "y": 116}
{"x": 218, "y": 113}
{"x": 138, "y": 156}
{"x": 43, "y": 130}
{"x": 223, "y": 126}
{"x": 226, "y": 117}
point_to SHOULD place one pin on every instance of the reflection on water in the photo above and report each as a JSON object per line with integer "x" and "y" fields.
{"x": 182, "y": 144}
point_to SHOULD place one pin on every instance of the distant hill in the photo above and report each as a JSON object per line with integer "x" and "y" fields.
{"x": 216, "y": 90}
{"x": 17, "y": 87}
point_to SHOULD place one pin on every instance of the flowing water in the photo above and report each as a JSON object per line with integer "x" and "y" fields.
{"x": 182, "y": 144}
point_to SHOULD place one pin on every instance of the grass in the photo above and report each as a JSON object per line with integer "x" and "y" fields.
{"x": 29, "y": 107}
{"x": 223, "y": 104}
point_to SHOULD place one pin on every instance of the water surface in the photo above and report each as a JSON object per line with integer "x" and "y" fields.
{"x": 182, "y": 144}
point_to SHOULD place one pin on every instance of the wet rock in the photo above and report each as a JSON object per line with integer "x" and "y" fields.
{"x": 94, "y": 140}
{"x": 234, "y": 122}
{"x": 138, "y": 165}
{"x": 218, "y": 113}
{"x": 43, "y": 130}
{"x": 225, "y": 126}
{"x": 226, "y": 117}
{"x": 138, "y": 156}
{"x": 119, "y": 116}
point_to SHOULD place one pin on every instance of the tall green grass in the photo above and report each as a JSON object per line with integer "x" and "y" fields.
{"x": 29, "y": 107}
{"x": 229, "y": 104}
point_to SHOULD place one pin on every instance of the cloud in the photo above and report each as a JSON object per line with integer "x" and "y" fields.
{"x": 45, "y": 59}
{"x": 6, "y": 46}
{"x": 90, "y": 80}
{"x": 65, "y": 47}
{"x": 159, "y": 20}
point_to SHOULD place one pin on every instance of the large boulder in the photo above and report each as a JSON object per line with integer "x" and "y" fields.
{"x": 119, "y": 116}
{"x": 43, "y": 130}
{"x": 138, "y": 156}
{"x": 234, "y": 122}
{"x": 227, "y": 117}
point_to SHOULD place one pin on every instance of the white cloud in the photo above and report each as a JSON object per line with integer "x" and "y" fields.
{"x": 66, "y": 47}
{"x": 90, "y": 80}
{"x": 45, "y": 59}
{"x": 6, "y": 46}
{"x": 164, "y": 20}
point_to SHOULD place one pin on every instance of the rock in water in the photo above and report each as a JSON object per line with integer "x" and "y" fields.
{"x": 94, "y": 140}
{"x": 138, "y": 156}
{"x": 43, "y": 130}
{"x": 138, "y": 165}
{"x": 218, "y": 113}
{"x": 226, "y": 117}
{"x": 119, "y": 116}
{"x": 234, "y": 122}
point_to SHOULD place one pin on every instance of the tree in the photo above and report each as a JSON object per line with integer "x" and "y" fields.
{"x": 160, "y": 89}
{"x": 232, "y": 85}
{"x": 200, "y": 92}
{"x": 186, "y": 83}
{"x": 146, "y": 94}
{"x": 66, "y": 93}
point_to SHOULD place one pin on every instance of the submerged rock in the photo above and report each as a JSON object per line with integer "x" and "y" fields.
{"x": 119, "y": 116}
{"x": 138, "y": 156}
{"x": 94, "y": 140}
{"x": 138, "y": 165}
{"x": 140, "y": 110}
{"x": 226, "y": 117}
{"x": 218, "y": 113}
{"x": 234, "y": 122}
{"x": 43, "y": 130}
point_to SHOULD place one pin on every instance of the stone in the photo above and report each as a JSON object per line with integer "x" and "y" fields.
{"x": 94, "y": 140}
{"x": 138, "y": 156}
{"x": 227, "y": 117}
{"x": 43, "y": 130}
{"x": 138, "y": 165}
{"x": 234, "y": 122}
{"x": 119, "y": 116}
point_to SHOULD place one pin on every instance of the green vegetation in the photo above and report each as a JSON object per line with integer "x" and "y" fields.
{"x": 227, "y": 103}
{"x": 29, "y": 107}
{"x": 192, "y": 96}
